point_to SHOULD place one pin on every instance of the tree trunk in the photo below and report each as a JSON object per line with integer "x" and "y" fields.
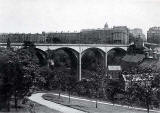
{"x": 96, "y": 103}
{"x": 8, "y": 105}
{"x": 96, "y": 98}
{"x": 59, "y": 90}
{"x": 148, "y": 109}
{"x": 103, "y": 88}
{"x": 59, "y": 94}
{"x": 147, "y": 103}
{"x": 15, "y": 101}
{"x": 69, "y": 96}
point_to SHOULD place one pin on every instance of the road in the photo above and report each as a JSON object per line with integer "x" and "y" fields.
{"x": 64, "y": 109}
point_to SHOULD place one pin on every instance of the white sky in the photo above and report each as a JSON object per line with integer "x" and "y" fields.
{"x": 74, "y": 15}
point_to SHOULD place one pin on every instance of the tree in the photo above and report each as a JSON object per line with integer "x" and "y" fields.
{"x": 44, "y": 78}
{"x": 82, "y": 87}
{"x": 28, "y": 44}
{"x": 142, "y": 91}
{"x": 6, "y": 70}
{"x": 18, "y": 70}
{"x": 70, "y": 82}
{"x": 95, "y": 81}
{"x": 59, "y": 79}
{"x": 148, "y": 89}
{"x": 8, "y": 43}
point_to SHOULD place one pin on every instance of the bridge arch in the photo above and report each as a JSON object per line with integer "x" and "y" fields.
{"x": 114, "y": 55}
{"x": 114, "y": 58}
{"x": 95, "y": 49}
{"x": 41, "y": 55}
{"x": 86, "y": 48}
{"x": 57, "y": 46}
{"x": 70, "y": 57}
{"x": 91, "y": 59}
{"x": 69, "y": 50}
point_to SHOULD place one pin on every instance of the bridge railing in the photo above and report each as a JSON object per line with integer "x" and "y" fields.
{"x": 44, "y": 44}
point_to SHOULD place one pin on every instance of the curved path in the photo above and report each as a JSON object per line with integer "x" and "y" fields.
{"x": 64, "y": 109}
{"x": 140, "y": 110}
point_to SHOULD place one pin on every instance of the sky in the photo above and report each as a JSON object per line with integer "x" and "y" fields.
{"x": 31, "y": 16}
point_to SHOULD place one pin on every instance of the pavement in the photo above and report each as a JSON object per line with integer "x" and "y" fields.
{"x": 64, "y": 109}
{"x": 110, "y": 104}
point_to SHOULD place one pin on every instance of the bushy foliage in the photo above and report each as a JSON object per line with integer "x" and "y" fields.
{"x": 144, "y": 92}
{"x": 18, "y": 70}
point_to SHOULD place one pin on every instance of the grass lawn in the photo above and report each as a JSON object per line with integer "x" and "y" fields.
{"x": 25, "y": 109}
{"x": 90, "y": 107}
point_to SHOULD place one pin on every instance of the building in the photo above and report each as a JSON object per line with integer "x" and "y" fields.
{"x": 138, "y": 33}
{"x": 120, "y": 35}
{"x": 100, "y": 36}
{"x": 106, "y": 35}
{"x": 3, "y": 37}
{"x": 106, "y": 26}
{"x": 115, "y": 35}
{"x": 139, "y": 42}
{"x": 115, "y": 76}
{"x": 114, "y": 72}
{"x": 153, "y": 35}
{"x": 62, "y": 37}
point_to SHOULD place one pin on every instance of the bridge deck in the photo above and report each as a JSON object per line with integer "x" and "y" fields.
{"x": 47, "y": 44}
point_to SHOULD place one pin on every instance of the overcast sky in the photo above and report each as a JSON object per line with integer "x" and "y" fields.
{"x": 74, "y": 15}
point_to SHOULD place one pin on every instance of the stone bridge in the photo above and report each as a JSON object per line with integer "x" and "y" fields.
{"x": 76, "y": 51}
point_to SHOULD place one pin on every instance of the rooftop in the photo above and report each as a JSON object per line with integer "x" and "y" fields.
{"x": 133, "y": 58}
{"x": 114, "y": 68}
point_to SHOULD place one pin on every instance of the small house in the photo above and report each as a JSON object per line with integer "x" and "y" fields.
{"x": 114, "y": 72}
{"x": 115, "y": 77}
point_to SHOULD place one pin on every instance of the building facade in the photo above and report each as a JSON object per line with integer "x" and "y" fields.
{"x": 153, "y": 35}
{"x": 115, "y": 35}
{"x": 100, "y": 36}
{"x": 138, "y": 33}
{"x": 120, "y": 35}
{"x": 106, "y": 35}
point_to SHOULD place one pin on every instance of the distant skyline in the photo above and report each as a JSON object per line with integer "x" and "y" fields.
{"x": 31, "y": 16}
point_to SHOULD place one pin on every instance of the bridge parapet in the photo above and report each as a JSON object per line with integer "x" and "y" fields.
{"x": 77, "y": 47}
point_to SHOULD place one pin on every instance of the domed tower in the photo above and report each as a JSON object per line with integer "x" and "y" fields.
{"x": 106, "y": 26}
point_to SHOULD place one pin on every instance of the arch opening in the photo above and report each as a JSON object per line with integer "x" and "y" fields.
{"x": 66, "y": 59}
{"x": 40, "y": 54}
{"x": 114, "y": 64}
{"x": 115, "y": 55}
{"x": 92, "y": 59}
